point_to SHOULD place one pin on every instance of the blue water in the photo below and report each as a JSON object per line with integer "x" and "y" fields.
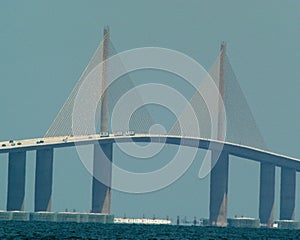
{"x": 42, "y": 230}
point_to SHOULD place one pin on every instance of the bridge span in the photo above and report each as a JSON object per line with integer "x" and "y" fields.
{"x": 44, "y": 148}
{"x": 238, "y": 150}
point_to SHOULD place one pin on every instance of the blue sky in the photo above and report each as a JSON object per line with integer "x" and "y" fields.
{"x": 45, "y": 45}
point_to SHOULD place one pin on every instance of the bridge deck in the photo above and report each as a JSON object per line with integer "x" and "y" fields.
{"x": 209, "y": 144}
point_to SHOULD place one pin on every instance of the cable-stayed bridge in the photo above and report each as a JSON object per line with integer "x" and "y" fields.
{"x": 236, "y": 134}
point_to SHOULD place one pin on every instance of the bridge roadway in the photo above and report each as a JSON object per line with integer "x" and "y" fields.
{"x": 203, "y": 143}
{"x": 101, "y": 194}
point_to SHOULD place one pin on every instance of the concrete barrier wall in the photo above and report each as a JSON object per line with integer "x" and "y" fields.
{"x": 20, "y": 216}
{"x": 243, "y": 222}
{"x": 288, "y": 224}
{"x": 56, "y": 217}
{"x": 43, "y": 217}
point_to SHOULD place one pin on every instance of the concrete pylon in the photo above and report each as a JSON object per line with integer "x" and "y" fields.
{"x": 220, "y": 161}
{"x": 219, "y": 190}
{"x": 43, "y": 180}
{"x": 267, "y": 193}
{"x": 102, "y": 171}
{"x": 104, "y": 97}
{"x": 16, "y": 181}
{"x": 101, "y": 198}
{"x": 287, "y": 193}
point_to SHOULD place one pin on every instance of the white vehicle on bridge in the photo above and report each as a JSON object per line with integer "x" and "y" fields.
{"x": 104, "y": 134}
{"x": 129, "y": 133}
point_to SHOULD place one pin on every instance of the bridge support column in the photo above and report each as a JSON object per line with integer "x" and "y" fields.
{"x": 43, "y": 180}
{"x": 266, "y": 193}
{"x": 218, "y": 189}
{"x": 16, "y": 181}
{"x": 102, "y": 170}
{"x": 287, "y": 193}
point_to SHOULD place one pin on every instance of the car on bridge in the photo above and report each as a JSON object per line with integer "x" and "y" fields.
{"x": 129, "y": 133}
{"x": 104, "y": 134}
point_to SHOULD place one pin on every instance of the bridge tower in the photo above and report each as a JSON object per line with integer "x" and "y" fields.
{"x": 101, "y": 191}
{"x": 219, "y": 161}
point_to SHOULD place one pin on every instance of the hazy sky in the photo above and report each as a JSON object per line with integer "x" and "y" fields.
{"x": 45, "y": 45}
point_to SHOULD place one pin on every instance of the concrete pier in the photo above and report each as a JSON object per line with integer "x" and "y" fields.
{"x": 287, "y": 193}
{"x": 16, "y": 181}
{"x": 266, "y": 194}
{"x": 218, "y": 190}
{"x": 43, "y": 180}
{"x": 101, "y": 193}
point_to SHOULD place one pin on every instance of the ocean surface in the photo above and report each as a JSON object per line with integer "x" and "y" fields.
{"x": 43, "y": 230}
